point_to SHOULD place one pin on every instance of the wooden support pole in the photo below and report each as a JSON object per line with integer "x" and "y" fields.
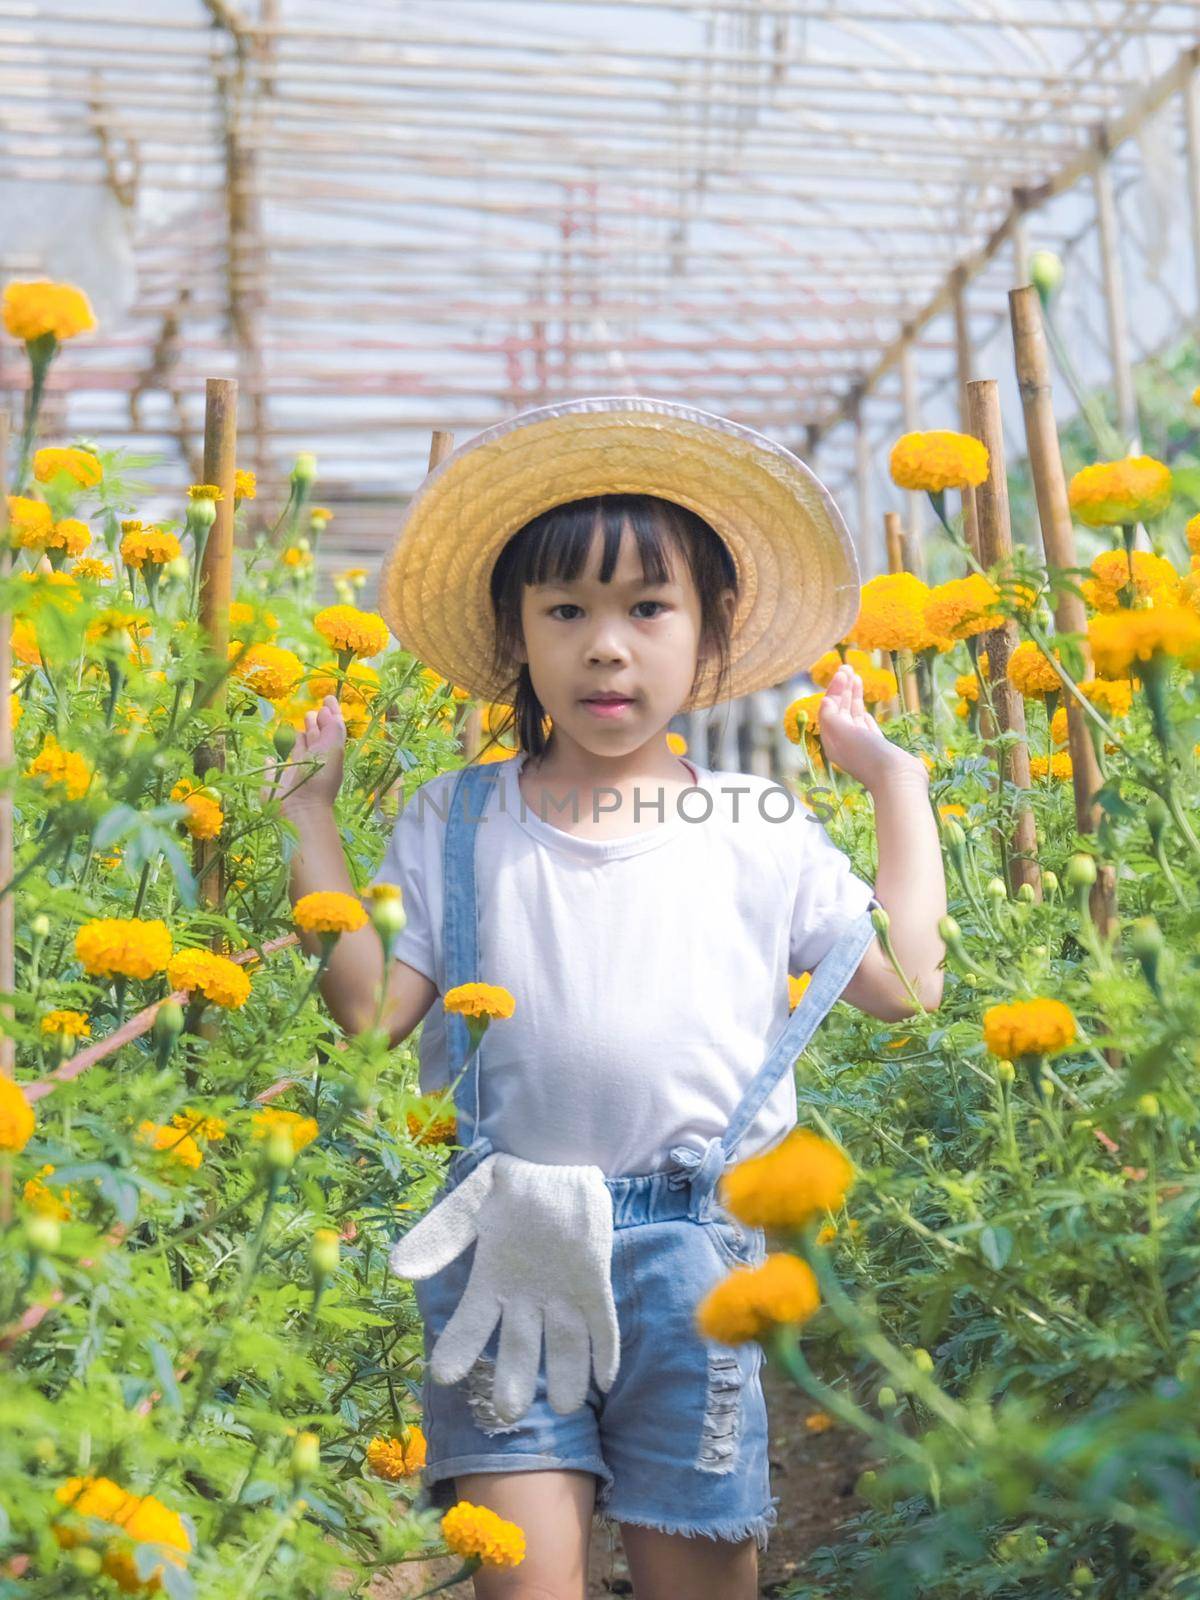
{"x": 1020, "y": 241}
{"x": 911, "y": 402}
{"x": 995, "y": 545}
{"x": 216, "y": 591}
{"x": 962, "y": 346}
{"x": 1114, "y": 303}
{"x": 1191, "y": 118}
{"x": 7, "y": 861}
{"x": 862, "y": 482}
{"x": 893, "y": 535}
{"x": 1058, "y": 539}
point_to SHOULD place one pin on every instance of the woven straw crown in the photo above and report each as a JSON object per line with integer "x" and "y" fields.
{"x": 798, "y": 577}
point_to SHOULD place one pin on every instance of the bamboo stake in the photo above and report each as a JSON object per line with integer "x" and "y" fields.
{"x": 893, "y": 533}
{"x": 1058, "y": 539}
{"x": 911, "y": 402}
{"x": 216, "y": 591}
{"x": 7, "y": 909}
{"x": 995, "y": 546}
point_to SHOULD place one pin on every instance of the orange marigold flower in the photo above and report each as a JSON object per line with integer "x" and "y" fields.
{"x": 81, "y": 465}
{"x": 205, "y": 491}
{"x": 301, "y": 1130}
{"x": 437, "y": 1130}
{"x": 39, "y": 1197}
{"x": 297, "y": 557}
{"x": 818, "y": 1422}
{"x": 65, "y": 770}
{"x": 67, "y": 1024}
{"x": 1058, "y": 767}
{"x": 360, "y": 683}
{"x": 30, "y": 522}
{"x": 796, "y": 988}
{"x": 394, "y": 1459}
{"x": 1120, "y": 492}
{"x": 677, "y": 744}
{"x": 1114, "y": 696}
{"x": 963, "y": 607}
{"x": 1028, "y": 1027}
{"x": 148, "y": 546}
{"x": 17, "y": 1119}
{"x": 269, "y": 670}
{"x": 215, "y": 977}
{"x": 118, "y": 947}
{"x": 788, "y": 1185}
{"x": 1030, "y": 671}
{"x": 751, "y": 1300}
{"x": 199, "y": 1124}
{"x": 1152, "y": 575}
{"x": 25, "y": 645}
{"x": 1120, "y": 638}
{"x": 36, "y": 307}
{"x": 205, "y": 819}
{"x": 92, "y": 567}
{"x": 801, "y": 720}
{"x": 244, "y": 619}
{"x": 480, "y": 1000}
{"x": 471, "y": 1530}
{"x": 938, "y": 460}
{"x": 329, "y": 911}
{"x": 347, "y": 628}
{"x": 891, "y": 614}
{"x": 245, "y": 485}
{"x": 170, "y": 1141}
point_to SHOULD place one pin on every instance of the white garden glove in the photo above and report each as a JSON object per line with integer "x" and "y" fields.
{"x": 543, "y": 1252}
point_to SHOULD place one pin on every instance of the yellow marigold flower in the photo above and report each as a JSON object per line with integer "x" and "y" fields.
{"x": 347, "y": 628}
{"x": 789, "y": 1184}
{"x": 179, "y": 1146}
{"x": 61, "y": 769}
{"x": 244, "y": 618}
{"x": 953, "y": 809}
{"x": 114, "y": 619}
{"x": 55, "y": 590}
{"x": 91, "y": 1497}
{"x": 351, "y": 575}
{"x": 750, "y": 1300}
{"x": 1058, "y": 767}
{"x": 39, "y": 1197}
{"x": 808, "y": 704}
{"x": 67, "y": 1024}
{"x": 1028, "y": 1028}
{"x": 439, "y": 1130}
{"x": 81, "y": 465}
{"x": 818, "y": 1422}
{"x": 205, "y": 491}
{"x": 301, "y": 1130}
{"x": 30, "y": 522}
{"x": 15, "y": 710}
{"x": 1119, "y": 638}
{"x": 677, "y": 744}
{"x": 17, "y": 1120}
{"x": 1058, "y": 726}
{"x": 891, "y": 614}
{"x": 118, "y": 947}
{"x": 329, "y": 911}
{"x": 938, "y": 460}
{"x": 967, "y": 684}
{"x": 394, "y": 1459}
{"x": 205, "y": 819}
{"x": 268, "y": 669}
{"x": 1113, "y": 696}
{"x": 321, "y": 514}
{"x": 92, "y": 567}
{"x": 1193, "y": 534}
{"x": 294, "y": 556}
{"x": 215, "y": 977}
{"x": 142, "y": 546}
{"x": 494, "y": 752}
{"x": 245, "y": 485}
{"x": 36, "y": 307}
{"x": 796, "y": 988}
{"x": 480, "y": 1000}
{"x": 198, "y": 1124}
{"x": 1110, "y": 573}
{"x": 1030, "y": 671}
{"x": 25, "y": 645}
{"x": 136, "y": 1520}
{"x": 1120, "y": 492}
{"x": 963, "y": 607}
{"x": 471, "y": 1530}
{"x": 361, "y": 683}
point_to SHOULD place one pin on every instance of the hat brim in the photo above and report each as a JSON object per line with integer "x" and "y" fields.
{"x": 798, "y": 576}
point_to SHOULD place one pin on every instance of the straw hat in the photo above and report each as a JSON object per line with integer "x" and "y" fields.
{"x": 797, "y": 573}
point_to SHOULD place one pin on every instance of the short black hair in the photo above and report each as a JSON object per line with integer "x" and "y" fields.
{"x": 554, "y": 545}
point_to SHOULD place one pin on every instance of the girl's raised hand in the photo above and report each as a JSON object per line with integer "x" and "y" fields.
{"x": 294, "y": 782}
{"x": 851, "y": 737}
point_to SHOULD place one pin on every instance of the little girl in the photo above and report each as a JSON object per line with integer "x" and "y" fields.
{"x": 601, "y": 566}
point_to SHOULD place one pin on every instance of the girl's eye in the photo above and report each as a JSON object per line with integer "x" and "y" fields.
{"x": 565, "y": 605}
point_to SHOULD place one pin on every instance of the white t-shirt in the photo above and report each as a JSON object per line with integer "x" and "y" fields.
{"x": 649, "y": 971}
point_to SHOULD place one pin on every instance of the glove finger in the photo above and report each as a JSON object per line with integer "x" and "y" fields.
{"x": 568, "y": 1357}
{"x": 518, "y": 1359}
{"x": 446, "y": 1231}
{"x": 606, "y": 1342}
{"x": 467, "y": 1331}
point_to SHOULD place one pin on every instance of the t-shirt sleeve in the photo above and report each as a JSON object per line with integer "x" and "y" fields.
{"x": 411, "y": 853}
{"x": 829, "y": 896}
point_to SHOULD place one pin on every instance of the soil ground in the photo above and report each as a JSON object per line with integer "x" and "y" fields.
{"x": 812, "y": 1473}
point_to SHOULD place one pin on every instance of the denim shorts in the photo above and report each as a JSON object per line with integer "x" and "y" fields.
{"x": 679, "y": 1443}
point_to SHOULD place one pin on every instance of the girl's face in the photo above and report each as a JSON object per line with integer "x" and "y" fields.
{"x": 639, "y": 640}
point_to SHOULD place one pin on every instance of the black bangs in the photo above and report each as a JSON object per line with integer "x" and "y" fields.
{"x": 555, "y": 545}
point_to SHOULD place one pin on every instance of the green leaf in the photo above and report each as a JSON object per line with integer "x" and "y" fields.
{"x": 996, "y": 1245}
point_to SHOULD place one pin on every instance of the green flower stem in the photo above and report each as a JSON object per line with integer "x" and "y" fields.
{"x": 1162, "y": 1312}
{"x": 283, "y": 1522}
{"x": 1107, "y": 439}
{"x": 885, "y": 938}
{"x": 784, "y": 1347}
{"x": 470, "y": 1565}
{"x": 41, "y": 353}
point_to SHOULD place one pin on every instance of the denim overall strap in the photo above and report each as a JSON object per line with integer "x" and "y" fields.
{"x": 703, "y": 1169}
{"x": 460, "y": 934}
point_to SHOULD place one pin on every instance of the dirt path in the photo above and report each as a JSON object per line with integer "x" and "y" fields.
{"x": 812, "y": 1473}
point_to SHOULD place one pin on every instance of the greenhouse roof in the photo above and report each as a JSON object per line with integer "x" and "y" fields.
{"x": 385, "y": 219}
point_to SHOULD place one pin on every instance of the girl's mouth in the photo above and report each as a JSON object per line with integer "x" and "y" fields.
{"x": 608, "y": 708}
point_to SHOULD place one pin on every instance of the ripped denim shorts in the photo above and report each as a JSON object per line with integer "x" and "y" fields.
{"x": 679, "y": 1443}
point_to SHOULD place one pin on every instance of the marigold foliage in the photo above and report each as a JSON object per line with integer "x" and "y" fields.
{"x": 1028, "y": 1027}
{"x": 751, "y": 1300}
{"x": 214, "y": 976}
{"x": 1109, "y": 493}
{"x": 347, "y": 628}
{"x": 935, "y": 461}
{"x": 36, "y": 307}
{"x": 480, "y": 1000}
{"x": 17, "y": 1119}
{"x": 329, "y": 911}
{"x": 787, "y": 1186}
{"x": 471, "y": 1530}
{"x": 123, "y": 947}
{"x": 393, "y": 1458}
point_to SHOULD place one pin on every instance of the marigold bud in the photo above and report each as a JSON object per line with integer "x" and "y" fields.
{"x": 325, "y": 1253}
{"x": 997, "y": 888}
{"x": 1050, "y": 882}
{"x": 1045, "y": 274}
{"x": 1081, "y": 871}
{"x": 1157, "y": 816}
{"x": 1005, "y": 1071}
{"x": 305, "y": 469}
{"x": 40, "y": 926}
{"x": 887, "y": 1397}
{"x": 306, "y": 1455}
{"x": 955, "y": 838}
{"x": 949, "y": 931}
{"x": 388, "y": 917}
{"x": 284, "y": 740}
{"x": 880, "y": 920}
{"x": 280, "y": 1151}
{"x": 43, "y": 1232}
{"x": 1026, "y": 894}
{"x": 922, "y": 1360}
{"x": 1148, "y": 1106}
